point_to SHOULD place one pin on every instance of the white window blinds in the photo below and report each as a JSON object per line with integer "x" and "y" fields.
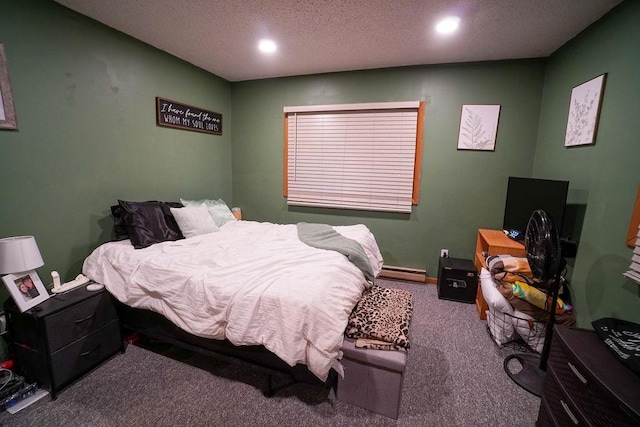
{"x": 634, "y": 269}
{"x": 355, "y": 156}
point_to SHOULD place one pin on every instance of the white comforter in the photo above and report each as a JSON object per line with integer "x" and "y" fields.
{"x": 251, "y": 283}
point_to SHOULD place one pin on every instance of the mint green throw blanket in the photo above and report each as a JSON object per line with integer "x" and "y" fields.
{"x": 323, "y": 236}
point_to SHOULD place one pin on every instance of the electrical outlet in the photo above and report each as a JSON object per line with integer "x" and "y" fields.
{"x": 444, "y": 253}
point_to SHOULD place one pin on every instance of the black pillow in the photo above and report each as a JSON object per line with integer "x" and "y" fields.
{"x": 147, "y": 223}
{"x": 119, "y": 230}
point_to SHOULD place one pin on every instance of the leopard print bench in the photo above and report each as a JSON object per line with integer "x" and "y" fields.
{"x": 381, "y": 319}
{"x": 375, "y": 351}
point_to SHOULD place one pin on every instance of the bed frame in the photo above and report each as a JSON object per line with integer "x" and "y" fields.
{"x": 155, "y": 326}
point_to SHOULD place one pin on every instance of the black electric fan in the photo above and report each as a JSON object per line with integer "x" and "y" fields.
{"x": 542, "y": 243}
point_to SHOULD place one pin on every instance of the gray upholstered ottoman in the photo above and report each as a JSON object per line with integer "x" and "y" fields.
{"x": 372, "y": 378}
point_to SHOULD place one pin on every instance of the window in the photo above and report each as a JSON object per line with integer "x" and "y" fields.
{"x": 354, "y": 156}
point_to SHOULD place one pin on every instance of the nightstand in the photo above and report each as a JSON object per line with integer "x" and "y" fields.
{"x": 64, "y": 337}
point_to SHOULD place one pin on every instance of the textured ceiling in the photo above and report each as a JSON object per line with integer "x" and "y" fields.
{"x": 318, "y": 36}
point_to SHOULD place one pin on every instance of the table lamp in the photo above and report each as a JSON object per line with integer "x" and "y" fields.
{"x": 19, "y": 257}
{"x": 19, "y": 254}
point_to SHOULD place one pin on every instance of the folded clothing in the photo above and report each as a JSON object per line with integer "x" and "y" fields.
{"x": 538, "y": 298}
{"x": 380, "y": 320}
{"x": 510, "y": 268}
{"x": 515, "y": 281}
{"x": 567, "y": 318}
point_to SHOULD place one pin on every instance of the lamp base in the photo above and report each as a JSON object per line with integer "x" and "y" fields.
{"x": 530, "y": 377}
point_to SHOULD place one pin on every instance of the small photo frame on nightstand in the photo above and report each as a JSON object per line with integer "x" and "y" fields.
{"x": 26, "y": 289}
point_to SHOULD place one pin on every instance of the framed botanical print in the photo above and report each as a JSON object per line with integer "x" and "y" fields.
{"x": 584, "y": 112}
{"x": 478, "y": 127}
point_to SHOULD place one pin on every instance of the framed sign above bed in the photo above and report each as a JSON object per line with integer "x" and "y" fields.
{"x": 182, "y": 116}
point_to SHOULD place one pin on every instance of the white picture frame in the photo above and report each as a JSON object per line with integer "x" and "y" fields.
{"x": 584, "y": 112}
{"x": 478, "y": 127}
{"x": 26, "y": 289}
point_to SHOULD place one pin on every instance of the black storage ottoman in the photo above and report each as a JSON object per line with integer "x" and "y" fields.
{"x": 457, "y": 280}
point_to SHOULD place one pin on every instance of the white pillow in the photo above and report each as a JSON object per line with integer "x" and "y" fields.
{"x": 218, "y": 210}
{"x": 531, "y": 331}
{"x": 221, "y": 214}
{"x": 491, "y": 295}
{"x": 501, "y": 327}
{"x": 194, "y": 220}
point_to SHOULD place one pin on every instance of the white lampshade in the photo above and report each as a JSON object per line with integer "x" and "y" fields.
{"x": 18, "y": 254}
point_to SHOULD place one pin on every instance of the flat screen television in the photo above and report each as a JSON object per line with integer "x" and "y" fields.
{"x": 525, "y": 195}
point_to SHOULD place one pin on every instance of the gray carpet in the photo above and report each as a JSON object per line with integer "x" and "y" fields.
{"x": 454, "y": 377}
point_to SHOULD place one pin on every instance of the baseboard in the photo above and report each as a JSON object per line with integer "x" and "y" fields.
{"x": 403, "y": 273}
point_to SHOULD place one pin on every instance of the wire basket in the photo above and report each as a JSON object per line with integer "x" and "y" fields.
{"x": 519, "y": 332}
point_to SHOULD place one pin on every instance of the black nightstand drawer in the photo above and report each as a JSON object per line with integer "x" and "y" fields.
{"x": 586, "y": 392}
{"x": 545, "y": 419}
{"x": 64, "y": 337}
{"x": 68, "y": 325}
{"x": 565, "y": 413}
{"x": 82, "y": 355}
{"x": 586, "y": 384}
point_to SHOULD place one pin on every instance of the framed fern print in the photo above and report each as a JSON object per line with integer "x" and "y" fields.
{"x": 478, "y": 127}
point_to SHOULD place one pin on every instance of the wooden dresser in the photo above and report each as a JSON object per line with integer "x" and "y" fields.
{"x": 586, "y": 385}
{"x": 492, "y": 242}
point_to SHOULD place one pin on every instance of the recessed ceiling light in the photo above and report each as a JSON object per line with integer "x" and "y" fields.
{"x": 448, "y": 25}
{"x": 267, "y": 46}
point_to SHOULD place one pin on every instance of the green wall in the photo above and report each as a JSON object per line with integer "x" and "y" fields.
{"x": 460, "y": 191}
{"x": 604, "y": 177}
{"x": 84, "y": 97}
{"x": 85, "y": 103}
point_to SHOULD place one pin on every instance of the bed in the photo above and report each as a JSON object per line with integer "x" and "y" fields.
{"x": 251, "y": 291}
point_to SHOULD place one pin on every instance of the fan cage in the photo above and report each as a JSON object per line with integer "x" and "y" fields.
{"x": 502, "y": 323}
{"x": 542, "y": 244}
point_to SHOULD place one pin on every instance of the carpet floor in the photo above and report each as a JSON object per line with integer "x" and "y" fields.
{"x": 454, "y": 377}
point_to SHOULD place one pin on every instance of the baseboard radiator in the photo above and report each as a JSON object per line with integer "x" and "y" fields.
{"x": 405, "y": 273}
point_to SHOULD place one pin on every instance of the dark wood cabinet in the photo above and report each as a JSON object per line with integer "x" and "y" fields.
{"x": 64, "y": 337}
{"x": 586, "y": 385}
